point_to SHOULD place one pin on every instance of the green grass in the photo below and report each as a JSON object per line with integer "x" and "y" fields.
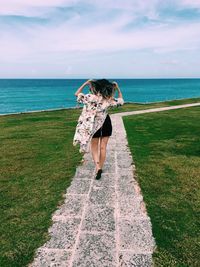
{"x": 37, "y": 164}
{"x": 166, "y": 149}
{"x": 135, "y": 106}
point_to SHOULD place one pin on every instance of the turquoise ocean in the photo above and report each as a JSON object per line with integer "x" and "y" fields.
{"x": 23, "y": 95}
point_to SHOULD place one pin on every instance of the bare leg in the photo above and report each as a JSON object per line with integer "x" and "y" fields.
{"x": 95, "y": 152}
{"x": 103, "y": 144}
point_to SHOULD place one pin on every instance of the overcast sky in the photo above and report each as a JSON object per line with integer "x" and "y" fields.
{"x": 99, "y": 38}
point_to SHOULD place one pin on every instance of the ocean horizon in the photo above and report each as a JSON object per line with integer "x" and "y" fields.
{"x": 38, "y": 94}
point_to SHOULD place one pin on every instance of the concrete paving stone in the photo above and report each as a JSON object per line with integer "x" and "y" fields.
{"x": 89, "y": 163}
{"x": 90, "y": 166}
{"x": 111, "y": 145}
{"x": 79, "y": 186}
{"x": 136, "y": 235}
{"x": 109, "y": 167}
{"x": 109, "y": 164}
{"x": 120, "y": 132}
{"x": 124, "y": 163}
{"x": 81, "y": 172}
{"x": 124, "y": 191}
{"x": 102, "y": 196}
{"x": 95, "y": 250}
{"x": 121, "y": 141}
{"x": 109, "y": 159}
{"x": 99, "y": 218}
{"x": 125, "y": 172}
{"x": 111, "y": 149}
{"x": 125, "y": 186}
{"x": 110, "y": 154}
{"x": 120, "y": 129}
{"x": 128, "y": 192}
{"x": 131, "y": 259}
{"x": 121, "y": 148}
{"x": 122, "y": 156}
{"x": 63, "y": 233}
{"x": 129, "y": 167}
{"x": 125, "y": 178}
{"x": 51, "y": 258}
{"x": 112, "y": 141}
{"x": 107, "y": 180}
{"x": 87, "y": 156}
{"x": 73, "y": 206}
{"x": 130, "y": 207}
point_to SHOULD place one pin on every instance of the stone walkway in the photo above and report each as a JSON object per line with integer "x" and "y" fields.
{"x": 103, "y": 223}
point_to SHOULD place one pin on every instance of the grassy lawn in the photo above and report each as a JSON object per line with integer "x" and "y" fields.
{"x": 166, "y": 149}
{"x": 37, "y": 164}
{"x": 133, "y": 106}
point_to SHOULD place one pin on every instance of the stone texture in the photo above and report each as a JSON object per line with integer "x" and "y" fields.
{"x": 52, "y": 257}
{"x": 136, "y": 235}
{"x": 102, "y": 223}
{"x": 130, "y": 207}
{"x": 82, "y": 173}
{"x": 99, "y": 218}
{"x": 63, "y": 233}
{"x": 102, "y": 196}
{"x": 95, "y": 250}
{"x": 79, "y": 186}
{"x": 109, "y": 167}
{"x": 73, "y": 206}
{"x": 106, "y": 180}
{"x": 130, "y": 259}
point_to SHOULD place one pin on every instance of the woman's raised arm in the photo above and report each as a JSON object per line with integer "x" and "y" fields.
{"x": 81, "y": 87}
{"x": 117, "y": 88}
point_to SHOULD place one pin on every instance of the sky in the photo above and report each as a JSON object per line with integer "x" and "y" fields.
{"x": 99, "y": 39}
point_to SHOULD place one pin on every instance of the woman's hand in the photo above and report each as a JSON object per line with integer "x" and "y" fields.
{"x": 88, "y": 82}
{"x": 82, "y": 86}
{"x": 116, "y": 85}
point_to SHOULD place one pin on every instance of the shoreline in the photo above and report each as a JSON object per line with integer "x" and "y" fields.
{"x": 80, "y": 107}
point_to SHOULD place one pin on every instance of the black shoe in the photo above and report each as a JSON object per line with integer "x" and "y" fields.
{"x": 98, "y": 175}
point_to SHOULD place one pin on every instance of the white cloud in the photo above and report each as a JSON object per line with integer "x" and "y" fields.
{"x": 170, "y": 62}
{"x": 68, "y": 70}
{"x": 66, "y": 38}
{"x": 31, "y": 8}
{"x": 190, "y": 3}
{"x": 102, "y": 30}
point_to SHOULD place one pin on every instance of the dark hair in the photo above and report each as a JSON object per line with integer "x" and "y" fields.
{"x": 103, "y": 86}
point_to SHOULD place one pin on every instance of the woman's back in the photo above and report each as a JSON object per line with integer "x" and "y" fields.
{"x": 94, "y": 111}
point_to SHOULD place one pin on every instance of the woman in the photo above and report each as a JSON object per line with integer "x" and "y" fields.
{"x": 94, "y": 124}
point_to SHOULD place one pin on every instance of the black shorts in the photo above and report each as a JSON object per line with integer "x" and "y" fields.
{"x": 106, "y": 129}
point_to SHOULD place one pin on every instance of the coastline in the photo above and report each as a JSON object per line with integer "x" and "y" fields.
{"x": 79, "y": 107}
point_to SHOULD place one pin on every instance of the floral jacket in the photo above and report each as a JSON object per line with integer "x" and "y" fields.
{"x": 92, "y": 117}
